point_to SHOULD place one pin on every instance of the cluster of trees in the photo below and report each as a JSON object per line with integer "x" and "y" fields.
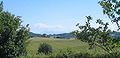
{"x": 38, "y": 35}
{"x": 63, "y": 35}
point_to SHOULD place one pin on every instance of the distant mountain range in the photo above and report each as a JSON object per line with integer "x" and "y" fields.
{"x": 34, "y": 34}
{"x": 67, "y": 35}
{"x": 63, "y": 35}
{"x": 115, "y": 34}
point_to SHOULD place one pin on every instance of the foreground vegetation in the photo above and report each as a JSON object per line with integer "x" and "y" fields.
{"x": 13, "y": 35}
{"x": 60, "y": 46}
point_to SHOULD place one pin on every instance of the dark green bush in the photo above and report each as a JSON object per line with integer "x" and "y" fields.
{"x": 45, "y": 48}
{"x": 13, "y": 35}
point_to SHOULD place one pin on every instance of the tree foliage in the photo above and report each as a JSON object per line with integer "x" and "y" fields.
{"x": 12, "y": 35}
{"x": 100, "y": 36}
{"x": 112, "y": 9}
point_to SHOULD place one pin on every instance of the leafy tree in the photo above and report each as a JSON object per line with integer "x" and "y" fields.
{"x": 13, "y": 35}
{"x": 44, "y": 35}
{"x": 112, "y": 9}
{"x": 100, "y": 36}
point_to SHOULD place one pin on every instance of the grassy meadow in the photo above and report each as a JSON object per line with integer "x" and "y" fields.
{"x": 59, "y": 45}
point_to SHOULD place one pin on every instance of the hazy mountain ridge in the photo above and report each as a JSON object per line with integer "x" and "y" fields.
{"x": 115, "y": 34}
{"x": 67, "y": 35}
{"x": 63, "y": 35}
{"x": 34, "y": 34}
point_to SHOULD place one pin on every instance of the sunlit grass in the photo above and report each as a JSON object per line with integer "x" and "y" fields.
{"x": 59, "y": 45}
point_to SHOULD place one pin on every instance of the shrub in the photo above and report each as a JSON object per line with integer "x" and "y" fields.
{"x": 84, "y": 55}
{"x": 45, "y": 48}
{"x": 13, "y": 35}
{"x": 62, "y": 54}
{"x": 71, "y": 55}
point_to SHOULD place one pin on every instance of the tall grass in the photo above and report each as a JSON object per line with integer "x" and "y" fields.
{"x": 60, "y": 46}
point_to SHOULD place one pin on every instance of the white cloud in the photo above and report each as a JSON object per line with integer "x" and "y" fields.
{"x": 48, "y": 28}
{"x": 59, "y": 28}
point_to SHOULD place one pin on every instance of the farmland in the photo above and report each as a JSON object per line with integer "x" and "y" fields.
{"x": 58, "y": 45}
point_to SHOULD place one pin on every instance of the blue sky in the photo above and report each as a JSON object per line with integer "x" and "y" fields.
{"x": 55, "y": 16}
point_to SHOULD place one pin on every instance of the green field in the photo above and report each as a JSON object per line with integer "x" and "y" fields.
{"x": 74, "y": 45}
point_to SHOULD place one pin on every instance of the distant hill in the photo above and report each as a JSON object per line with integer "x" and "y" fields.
{"x": 115, "y": 34}
{"x": 68, "y": 35}
{"x": 34, "y": 34}
{"x": 63, "y": 35}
